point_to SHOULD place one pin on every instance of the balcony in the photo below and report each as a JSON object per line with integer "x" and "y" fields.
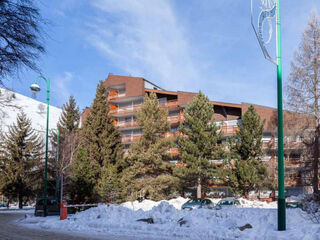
{"x": 169, "y": 104}
{"x": 229, "y": 130}
{"x": 175, "y": 119}
{"x": 124, "y": 124}
{"x": 125, "y": 110}
{"x": 173, "y": 151}
{"x": 130, "y": 138}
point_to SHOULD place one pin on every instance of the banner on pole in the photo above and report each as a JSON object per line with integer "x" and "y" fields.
{"x": 263, "y": 14}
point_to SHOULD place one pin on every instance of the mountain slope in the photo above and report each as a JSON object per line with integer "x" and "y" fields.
{"x": 35, "y": 110}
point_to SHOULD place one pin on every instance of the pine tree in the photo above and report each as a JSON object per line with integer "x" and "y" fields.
{"x": 83, "y": 177}
{"x": 244, "y": 170}
{"x": 70, "y": 117}
{"x": 98, "y": 134}
{"x": 103, "y": 143}
{"x": 21, "y": 151}
{"x": 148, "y": 173}
{"x": 198, "y": 144}
{"x": 108, "y": 187}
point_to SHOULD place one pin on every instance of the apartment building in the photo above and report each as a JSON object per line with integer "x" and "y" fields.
{"x": 126, "y": 95}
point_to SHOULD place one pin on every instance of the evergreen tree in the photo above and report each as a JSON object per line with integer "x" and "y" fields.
{"x": 98, "y": 134}
{"x": 244, "y": 170}
{"x": 108, "y": 187}
{"x": 21, "y": 151}
{"x": 103, "y": 143}
{"x": 198, "y": 144}
{"x": 148, "y": 173}
{"x": 83, "y": 177}
{"x": 70, "y": 117}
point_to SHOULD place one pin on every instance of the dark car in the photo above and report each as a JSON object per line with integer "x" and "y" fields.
{"x": 53, "y": 207}
{"x": 198, "y": 203}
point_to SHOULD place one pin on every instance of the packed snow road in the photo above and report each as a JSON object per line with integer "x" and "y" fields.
{"x": 10, "y": 230}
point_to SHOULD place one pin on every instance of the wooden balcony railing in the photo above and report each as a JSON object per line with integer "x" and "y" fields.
{"x": 229, "y": 130}
{"x": 169, "y": 104}
{"x": 130, "y": 138}
{"x": 173, "y": 151}
{"x": 125, "y": 110}
{"x": 127, "y": 124}
{"x": 174, "y": 119}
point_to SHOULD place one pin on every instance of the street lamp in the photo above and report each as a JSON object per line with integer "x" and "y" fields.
{"x": 269, "y": 10}
{"x": 57, "y": 161}
{"x": 35, "y": 88}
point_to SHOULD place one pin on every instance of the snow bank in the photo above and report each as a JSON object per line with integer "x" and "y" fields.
{"x": 147, "y": 205}
{"x": 199, "y": 224}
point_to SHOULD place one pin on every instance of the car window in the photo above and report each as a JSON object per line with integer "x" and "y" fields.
{"x": 225, "y": 202}
{"x": 208, "y": 201}
{"x": 194, "y": 201}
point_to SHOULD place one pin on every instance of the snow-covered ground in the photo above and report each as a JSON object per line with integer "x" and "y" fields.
{"x": 36, "y": 111}
{"x": 197, "y": 224}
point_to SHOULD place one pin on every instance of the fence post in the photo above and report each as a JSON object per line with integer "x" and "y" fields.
{"x": 63, "y": 211}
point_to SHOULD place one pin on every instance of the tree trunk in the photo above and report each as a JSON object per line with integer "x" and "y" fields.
{"x": 20, "y": 201}
{"x": 315, "y": 181}
{"x": 199, "y": 188}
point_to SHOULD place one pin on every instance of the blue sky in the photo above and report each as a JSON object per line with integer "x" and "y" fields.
{"x": 186, "y": 45}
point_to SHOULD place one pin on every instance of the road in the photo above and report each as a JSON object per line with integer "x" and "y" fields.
{"x": 9, "y": 230}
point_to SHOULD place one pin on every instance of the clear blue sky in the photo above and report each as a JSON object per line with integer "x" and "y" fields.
{"x": 187, "y": 45}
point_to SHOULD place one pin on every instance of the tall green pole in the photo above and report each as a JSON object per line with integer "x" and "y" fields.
{"x": 57, "y": 161}
{"x": 46, "y": 160}
{"x": 281, "y": 195}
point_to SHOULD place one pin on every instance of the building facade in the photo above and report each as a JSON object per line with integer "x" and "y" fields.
{"x": 126, "y": 96}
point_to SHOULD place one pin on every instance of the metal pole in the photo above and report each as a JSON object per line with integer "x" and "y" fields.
{"x": 46, "y": 160}
{"x": 281, "y": 195}
{"x": 61, "y": 188}
{"x": 57, "y": 162}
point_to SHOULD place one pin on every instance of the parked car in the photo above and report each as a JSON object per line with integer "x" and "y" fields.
{"x": 198, "y": 203}
{"x": 3, "y": 205}
{"x": 228, "y": 202}
{"x": 293, "y": 205}
{"x": 53, "y": 207}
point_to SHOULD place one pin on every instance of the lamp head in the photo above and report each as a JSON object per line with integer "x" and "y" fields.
{"x": 35, "y": 88}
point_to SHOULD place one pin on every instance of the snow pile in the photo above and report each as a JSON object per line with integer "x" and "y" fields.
{"x": 257, "y": 204}
{"x": 147, "y": 205}
{"x": 171, "y": 223}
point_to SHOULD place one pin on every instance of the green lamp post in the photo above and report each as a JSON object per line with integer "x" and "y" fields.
{"x": 57, "y": 161}
{"x": 270, "y": 9}
{"x": 35, "y": 88}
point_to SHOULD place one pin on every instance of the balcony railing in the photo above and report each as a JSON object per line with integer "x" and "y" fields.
{"x": 173, "y": 151}
{"x": 229, "y": 130}
{"x": 169, "y": 104}
{"x": 127, "y": 124}
{"x": 130, "y": 138}
{"x": 175, "y": 119}
{"x": 125, "y": 110}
